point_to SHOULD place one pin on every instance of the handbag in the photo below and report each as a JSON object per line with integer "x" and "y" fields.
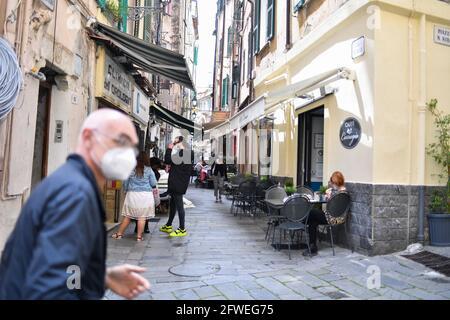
{"x": 156, "y": 197}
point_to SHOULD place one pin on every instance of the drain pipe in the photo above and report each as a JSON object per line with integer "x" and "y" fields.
{"x": 422, "y": 123}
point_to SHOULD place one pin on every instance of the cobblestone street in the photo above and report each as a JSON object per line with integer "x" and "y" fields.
{"x": 226, "y": 257}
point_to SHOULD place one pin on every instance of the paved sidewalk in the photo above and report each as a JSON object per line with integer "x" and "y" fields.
{"x": 226, "y": 257}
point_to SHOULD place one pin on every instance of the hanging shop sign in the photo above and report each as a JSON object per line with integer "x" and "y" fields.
{"x": 442, "y": 35}
{"x": 350, "y": 133}
{"x": 141, "y": 106}
{"x": 116, "y": 84}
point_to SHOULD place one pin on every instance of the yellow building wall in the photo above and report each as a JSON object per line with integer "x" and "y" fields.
{"x": 354, "y": 98}
{"x": 384, "y": 97}
{"x": 397, "y": 95}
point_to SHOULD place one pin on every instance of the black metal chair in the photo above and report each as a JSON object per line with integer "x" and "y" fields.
{"x": 236, "y": 180}
{"x": 337, "y": 213}
{"x": 305, "y": 190}
{"x": 295, "y": 212}
{"x": 245, "y": 197}
{"x": 273, "y": 193}
{"x": 261, "y": 189}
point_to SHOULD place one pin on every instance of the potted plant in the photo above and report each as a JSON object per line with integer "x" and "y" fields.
{"x": 112, "y": 7}
{"x": 289, "y": 187}
{"x": 248, "y": 177}
{"x": 439, "y": 216}
{"x": 322, "y": 191}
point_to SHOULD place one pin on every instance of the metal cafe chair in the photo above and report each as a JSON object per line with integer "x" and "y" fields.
{"x": 261, "y": 188}
{"x": 336, "y": 213}
{"x": 305, "y": 190}
{"x": 244, "y": 198}
{"x": 295, "y": 211}
{"x": 235, "y": 181}
{"x": 276, "y": 193}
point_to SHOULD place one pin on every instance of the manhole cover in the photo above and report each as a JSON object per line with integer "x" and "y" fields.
{"x": 431, "y": 260}
{"x": 194, "y": 269}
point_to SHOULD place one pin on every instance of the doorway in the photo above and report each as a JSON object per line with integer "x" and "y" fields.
{"x": 41, "y": 140}
{"x": 310, "y": 148}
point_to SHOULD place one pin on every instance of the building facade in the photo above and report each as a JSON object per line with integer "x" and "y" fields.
{"x": 69, "y": 70}
{"x": 57, "y": 60}
{"x": 343, "y": 85}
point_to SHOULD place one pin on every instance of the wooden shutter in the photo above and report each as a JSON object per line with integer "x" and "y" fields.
{"x": 270, "y": 19}
{"x": 256, "y": 22}
{"x": 225, "y": 91}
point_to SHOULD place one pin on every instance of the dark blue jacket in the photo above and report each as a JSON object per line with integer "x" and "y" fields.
{"x": 59, "y": 231}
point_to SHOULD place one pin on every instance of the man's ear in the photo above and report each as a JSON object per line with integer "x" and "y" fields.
{"x": 87, "y": 136}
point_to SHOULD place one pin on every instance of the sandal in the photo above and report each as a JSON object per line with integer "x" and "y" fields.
{"x": 140, "y": 239}
{"x": 117, "y": 236}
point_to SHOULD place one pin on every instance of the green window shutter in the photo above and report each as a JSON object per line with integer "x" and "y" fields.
{"x": 196, "y": 56}
{"x": 270, "y": 19}
{"x": 225, "y": 92}
{"x": 256, "y": 26}
{"x": 123, "y": 8}
{"x": 102, "y": 4}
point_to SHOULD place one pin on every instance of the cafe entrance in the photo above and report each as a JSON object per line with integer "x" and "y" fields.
{"x": 310, "y": 148}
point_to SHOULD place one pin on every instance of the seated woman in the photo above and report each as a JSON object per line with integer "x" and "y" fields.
{"x": 317, "y": 216}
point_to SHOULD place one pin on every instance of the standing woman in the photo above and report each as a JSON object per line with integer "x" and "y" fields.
{"x": 139, "y": 201}
{"x": 219, "y": 173}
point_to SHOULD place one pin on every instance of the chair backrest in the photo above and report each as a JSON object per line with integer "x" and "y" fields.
{"x": 262, "y": 186}
{"x": 237, "y": 179}
{"x": 339, "y": 204}
{"x": 247, "y": 188}
{"x": 296, "y": 208}
{"x": 275, "y": 192}
{"x": 305, "y": 190}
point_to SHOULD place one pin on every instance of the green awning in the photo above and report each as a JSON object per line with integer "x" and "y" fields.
{"x": 174, "y": 119}
{"x": 151, "y": 58}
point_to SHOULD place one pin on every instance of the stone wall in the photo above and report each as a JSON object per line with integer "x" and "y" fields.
{"x": 384, "y": 218}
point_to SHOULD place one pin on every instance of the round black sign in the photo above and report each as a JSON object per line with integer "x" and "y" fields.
{"x": 350, "y": 133}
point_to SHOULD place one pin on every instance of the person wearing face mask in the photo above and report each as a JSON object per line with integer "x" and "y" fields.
{"x": 177, "y": 156}
{"x": 317, "y": 216}
{"x": 139, "y": 202}
{"x": 57, "y": 249}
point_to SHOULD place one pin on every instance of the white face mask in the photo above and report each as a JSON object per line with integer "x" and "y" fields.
{"x": 117, "y": 163}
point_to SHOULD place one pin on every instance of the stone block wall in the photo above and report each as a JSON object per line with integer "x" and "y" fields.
{"x": 384, "y": 218}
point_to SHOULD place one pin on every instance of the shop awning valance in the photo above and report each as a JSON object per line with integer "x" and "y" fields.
{"x": 151, "y": 58}
{"x": 174, "y": 119}
{"x": 302, "y": 87}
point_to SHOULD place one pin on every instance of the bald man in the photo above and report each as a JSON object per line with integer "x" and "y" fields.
{"x": 57, "y": 249}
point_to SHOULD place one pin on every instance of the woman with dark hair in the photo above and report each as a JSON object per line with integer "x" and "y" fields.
{"x": 139, "y": 202}
{"x": 154, "y": 163}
